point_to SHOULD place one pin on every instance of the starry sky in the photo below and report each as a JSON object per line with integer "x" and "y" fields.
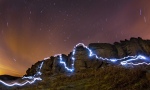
{"x": 31, "y": 30}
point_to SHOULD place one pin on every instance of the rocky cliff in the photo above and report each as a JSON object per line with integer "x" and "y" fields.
{"x": 134, "y": 46}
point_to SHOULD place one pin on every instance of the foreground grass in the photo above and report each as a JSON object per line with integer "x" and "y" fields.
{"x": 108, "y": 78}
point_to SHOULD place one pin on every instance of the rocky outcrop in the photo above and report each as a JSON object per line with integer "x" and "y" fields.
{"x": 33, "y": 70}
{"x": 105, "y": 50}
{"x": 120, "y": 49}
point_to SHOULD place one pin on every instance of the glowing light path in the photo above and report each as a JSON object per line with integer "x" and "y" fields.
{"x": 122, "y": 61}
{"x": 31, "y": 81}
{"x": 20, "y": 84}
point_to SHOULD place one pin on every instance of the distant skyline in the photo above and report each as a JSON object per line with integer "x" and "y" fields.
{"x": 31, "y": 30}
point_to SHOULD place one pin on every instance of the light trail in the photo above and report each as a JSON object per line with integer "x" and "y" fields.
{"x": 31, "y": 81}
{"x": 123, "y": 61}
{"x": 20, "y": 84}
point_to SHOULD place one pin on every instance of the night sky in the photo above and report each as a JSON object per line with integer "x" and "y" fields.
{"x": 31, "y": 30}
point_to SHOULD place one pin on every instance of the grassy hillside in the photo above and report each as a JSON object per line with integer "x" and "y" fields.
{"x": 108, "y": 78}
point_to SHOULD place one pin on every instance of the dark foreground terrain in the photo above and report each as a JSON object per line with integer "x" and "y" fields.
{"x": 108, "y": 78}
{"x": 8, "y": 77}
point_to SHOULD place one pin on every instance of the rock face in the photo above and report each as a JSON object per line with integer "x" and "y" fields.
{"x": 104, "y": 50}
{"x": 120, "y": 49}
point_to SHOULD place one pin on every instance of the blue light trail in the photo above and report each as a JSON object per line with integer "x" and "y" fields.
{"x": 128, "y": 59}
{"x": 123, "y": 61}
{"x": 31, "y": 81}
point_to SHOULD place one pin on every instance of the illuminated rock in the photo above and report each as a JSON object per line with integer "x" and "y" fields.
{"x": 106, "y": 54}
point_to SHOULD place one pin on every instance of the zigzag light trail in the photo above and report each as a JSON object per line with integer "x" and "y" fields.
{"x": 36, "y": 76}
{"x": 133, "y": 58}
